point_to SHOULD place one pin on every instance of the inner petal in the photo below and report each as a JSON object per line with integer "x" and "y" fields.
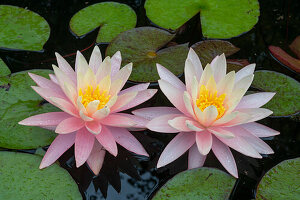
{"x": 90, "y": 94}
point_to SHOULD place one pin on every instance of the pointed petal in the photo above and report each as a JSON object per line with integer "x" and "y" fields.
{"x": 218, "y": 131}
{"x": 225, "y": 118}
{"x": 95, "y": 59}
{"x": 226, "y": 84}
{"x": 94, "y": 127}
{"x": 189, "y": 73}
{"x": 64, "y": 105}
{"x": 139, "y": 122}
{"x": 210, "y": 114}
{"x": 69, "y": 125}
{"x": 238, "y": 118}
{"x": 92, "y": 107}
{"x": 196, "y": 63}
{"x": 219, "y": 67}
{"x": 245, "y": 71}
{"x": 53, "y": 79}
{"x": 84, "y": 142}
{"x": 259, "y": 130}
{"x": 153, "y": 112}
{"x": 80, "y": 63}
{"x": 123, "y": 100}
{"x": 207, "y": 73}
{"x": 104, "y": 84}
{"x": 244, "y": 83}
{"x": 96, "y": 158}
{"x": 160, "y": 124}
{"x": 255, "y": 100}
{"x": 107, "y": 140}
{"x": 135, "y": 88}
{"x": 169, "y": 77}
{"x": 65, "y": 67}
{"x": 46, "y": 93}
{"x": 102, "y": 113}
{"x": 204, "y": 141}
{"x": 115, "y": 87}
{"x": 123, "y": 74}
{"x": 179, "y": 123}
{"x": 45, "y": 83}
{"x": 118, "y": 120}
{"x": 195, "y": 159}
{"x": 188, "y": 103}
{"x": 116, "y": 60}
{"x": 45, "y": 119}
{"x": 256, "y": 113}
{"x": 104, "y": 69}
{"x": 193, "y": 125}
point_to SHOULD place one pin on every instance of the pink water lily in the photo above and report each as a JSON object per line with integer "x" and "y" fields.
{"x": 211, "y": 113}
{"x": 90, "y": 100}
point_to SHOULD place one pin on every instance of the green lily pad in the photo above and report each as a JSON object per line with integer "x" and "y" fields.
{"x": 143, "y": 47}
{"x": 219, "y": 19}
{"x": 4, "y": 70}
{"x": 287, "y": 99}
{"x": 19, "y": 101}
{"x": 281, "y": 182}
{"x": 202, "y": 183}
{"x": 22, "y": 29}
{"x": 21, "y": 178}
{"x": 113, "y": 18}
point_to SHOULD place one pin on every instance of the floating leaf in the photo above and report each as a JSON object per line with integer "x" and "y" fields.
{"x": 202, "y": 183}
{"x": 295, "y": 46}
{"x": 281, "y": 182}
{"x": 285, "y": 58}
{"x": 142, "y": 46}
{"x": 22, "y": 29}
{"x": 287, "y": 98}
{"x": 219, "y": 19}
{"x": 4, "y": 70}
{"x": 18, "y": 101}
{"x": 21, "y": 178}
{"x": 113, "y": 18}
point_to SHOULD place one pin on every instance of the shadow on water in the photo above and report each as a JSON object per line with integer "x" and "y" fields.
{"x": 133, "y": 177}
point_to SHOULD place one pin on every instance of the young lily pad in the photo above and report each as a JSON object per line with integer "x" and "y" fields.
{"x": 113, "y": 18}
{"x": 281, "y": 182}
{"x": 22, "y": 29}
{"x": 219, "y": 19}
{"x": 18, "y": 101}
{"x": 143, "y": 47}
{"x": 21, "y": 178}
{"x": 4, "y": 70}
{"x": 287, "y": 99}
{"x": 202, "y": 183}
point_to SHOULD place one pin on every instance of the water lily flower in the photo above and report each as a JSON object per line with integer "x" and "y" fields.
{"x": 211, "y": 113}
{"x": 90, "y": 99}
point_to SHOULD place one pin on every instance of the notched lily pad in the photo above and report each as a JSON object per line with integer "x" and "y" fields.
{"x": 4, "y": 70}
{"x": 219, "y": 19}
{"x": 143, "y": 47}
{"x": 22, "y": 29}
{"x": 281, "y": 182}
{"x": 18, "y": 101}
{"x": 287, "y": 100}
{"x": 202, "y": 183}
{"x": 21, "y": 178}
{"x": 113, "y": 18}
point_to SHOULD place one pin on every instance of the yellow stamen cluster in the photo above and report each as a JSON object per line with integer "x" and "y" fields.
{"x": 207, "y": 98}
{"x": 90, "y": 94}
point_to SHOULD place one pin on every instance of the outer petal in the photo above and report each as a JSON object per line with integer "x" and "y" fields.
{"x": 84, "y": 142}
{"x": 245, "y": 71}
{"x": 69, "y": 125}
{"x": 123, "y": 100}
{"x": 135, "y": 88}
{"x": 118, "y": 120}
{"x": 153, "y": 112}
{"x": 59, "y": 145}
{"x": 259, "y": 130}
{"x": 169, "y": 77}
{"x": 255, "y": 100}
{"x": 196, "y": 159}
{"x": 196, "y": 63}
{"x": 65, "y": 67}
{"x": 160, "y": 124}
{"x": 46, "y": 93}
{"x": 45, "y": 119}
{"x": 96, "y": 158}
{"x": 64, "y": 105}
{"x": 225, "y": 156}
{"x": 139, "y": 122}
{"x": 45, "y": 83}
{"x": 95, "y": 59}
{"x": 218, "y": 131}
{"x": 123, "y": 74}
{"x": 256, "y": 113}
{"x": 179, "y": 123}
{"x": 178, "y": 146}
{"x": 128, "y": 141}
{"x": 107, "y": 140}
{"x": 204, "y": 141}
{"x": 115, "y": 63}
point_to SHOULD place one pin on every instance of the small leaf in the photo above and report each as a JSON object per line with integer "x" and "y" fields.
{"x": 295, "y": 46}
{"x": 4, "y": 70}
{"x": 22, "y": 29}
{"x": 281, "y": 182}
{"x": 21, "y": 178}
{"x": 202, "y": 183}
{"x": 142, "y": 46}
{"x": 219, "y": 19}
{"x": 287, "y": 99}
{"x": 113, "y": 18}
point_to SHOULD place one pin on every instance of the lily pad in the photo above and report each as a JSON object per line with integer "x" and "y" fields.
{"x": 143, "y": 47}
{"x": 4, "y": 70}
{"x": 21, "y": 178}
{"x": 202, "y": 183}
{"x": 287, "y": 99}
{"x": 18, "y": 101}
{"x": 281, "y": 182}
{"x": 219, "y": 19}
{"x": 295, "y": 46}
{"x": 113, "y": 18}
{"x": 22, "y": 29}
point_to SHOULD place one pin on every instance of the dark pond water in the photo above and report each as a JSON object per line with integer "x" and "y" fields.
{"x": 129, "y": 176}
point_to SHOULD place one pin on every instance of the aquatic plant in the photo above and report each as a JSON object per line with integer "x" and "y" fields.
{"x": 90, "y": 99}
{"x": 211, "y": 112}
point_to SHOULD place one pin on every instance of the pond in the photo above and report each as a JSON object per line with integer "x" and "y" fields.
{"x": 129, "y": 176}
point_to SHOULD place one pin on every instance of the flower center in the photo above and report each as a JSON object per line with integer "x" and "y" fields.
{"x": 90, "y": 94}
{"x": 207, "y": 98}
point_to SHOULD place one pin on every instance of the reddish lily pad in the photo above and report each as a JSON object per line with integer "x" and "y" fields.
{"x": 281, "y": 182}
{"x": 287, "y": 99}
{"x": 201, "y": 183}
{"x": 219, "y": 19}
{"x": 295, "y": 46}
{"x": 143, "y": 47}
{"x": 113, "y": 18}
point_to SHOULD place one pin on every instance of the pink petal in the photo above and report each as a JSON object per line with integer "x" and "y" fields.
{"x": 153, "y": 112}
{"x": 189, "y": 73}
{"x": 256, "y": 113}
{"x": 64, "y": 105}
{"x": 219, "y": 66}
{"x": 255, "y": 100}
{"x": 128, "y": 141}
{"x": 160, "y": 124}
{"x": 123, "y": 74}
{"x": 65, "y": 67}
{"x": 210, "y": 114}
{"x": 219, "y": 131}
{"x": 116, "y": 60}
{"x": 196, "y": 159}
{"x": 45, "y": 83}
{"x": 169, "y": 77}
{"x": 178, "y": 146}
{"x": 259, "y": 130}
{"x": 107, "y": 140}
{"x": 194, "y": 125}
{"x": 139, "y": 122}
{"x": 69, "y": 125}
{"x": 95, "y": 59}
{"x": 245, "y": 71}
{"x": 84, "y": 142}
{"x": 59, "y": 145}
{"x": 174, "y": 95}
{"x": 179, "y": 123}
{"x": 118, "y": 120}
{"x": 96, "y": 158}
{"x": 54, "y": 79}
{"x": 62, "y": 78}
{"x": 239, "y": 118}
{"x": 123, "y": 100}
{"x": 225, "y": 156}
{"x": 196, "y": 63}
{"x": 46, "y": 93}
{"x": 93, "y": 126}
{"x": 45, "y": 119}
{"x": 204, "y": 141}
{"x": 135, "y": 88}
